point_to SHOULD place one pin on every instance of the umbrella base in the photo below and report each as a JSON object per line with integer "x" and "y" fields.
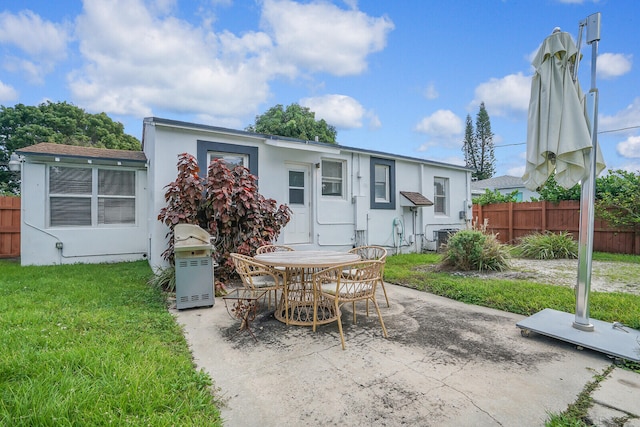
{"x": 609, "y": 338}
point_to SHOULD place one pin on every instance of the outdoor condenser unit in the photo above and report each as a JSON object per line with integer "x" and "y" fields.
{"x": 194, "y": 267}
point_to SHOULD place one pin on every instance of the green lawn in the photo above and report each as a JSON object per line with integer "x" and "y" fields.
{"x": 94, "y": 345}
{"x": 516, "y": 296}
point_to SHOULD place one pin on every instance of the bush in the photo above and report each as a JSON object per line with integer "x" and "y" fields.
{"x": 469, "y": 250}
{"x": 164, "y": 279}
{"x": 548, "y": 246}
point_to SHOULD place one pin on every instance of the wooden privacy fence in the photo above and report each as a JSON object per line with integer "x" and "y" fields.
{"x": 9, "y": 227}
{"x": 514, "y": 220}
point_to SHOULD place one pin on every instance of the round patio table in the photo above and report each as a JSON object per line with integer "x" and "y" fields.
{"x": 296, "y": 304}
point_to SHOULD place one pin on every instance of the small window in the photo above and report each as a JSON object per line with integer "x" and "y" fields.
{"x": 296, "y": 188}
{"x": 332, "y": 178}
{"x": 440, "y": 195}
{"x": 231, "y": 159}
{"x": 382, "y": 183}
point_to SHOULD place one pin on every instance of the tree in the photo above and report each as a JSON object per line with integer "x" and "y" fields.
{"x": 227, "y": 205}
{"x": 60, "y": 123}
{"x": 484, "y": 141}
{"x": 294, "y": 122}
{"x": 478, "y": 146}
{"x": 618, "y": 199}
{"x": 469, "y": 145}
{"x": 552, "y": 192}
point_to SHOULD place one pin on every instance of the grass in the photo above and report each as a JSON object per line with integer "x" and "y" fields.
{"x": 526, "y": 298}
{"x": 94, "y": 345}
{"x": 515, "y": 296}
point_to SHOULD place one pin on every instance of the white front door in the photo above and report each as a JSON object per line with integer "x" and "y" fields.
{"x": 299, "y": 228}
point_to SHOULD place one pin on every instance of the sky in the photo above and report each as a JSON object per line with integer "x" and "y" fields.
{"x": 394, "y": 76}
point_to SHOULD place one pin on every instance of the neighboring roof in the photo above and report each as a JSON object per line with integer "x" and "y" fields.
{"x": 46, "y": 150}
{"x": 416, "y": 198}
{"x": 498, "y": 183}
{"x": 274, "y": 138}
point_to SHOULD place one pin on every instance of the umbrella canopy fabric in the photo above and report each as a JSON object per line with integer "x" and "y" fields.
{"x": 558, "y": 129}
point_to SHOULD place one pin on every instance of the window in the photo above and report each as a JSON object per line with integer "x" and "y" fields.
{"x": 91, "y": 196}
{"x": 332, "y": 178}
{"x": 440, "y": 193}
{"x": 231, "y": 159}
{"x": 296, "y": 187}
{"x": 232, "y": 153}
{"x": 383, "y": 183}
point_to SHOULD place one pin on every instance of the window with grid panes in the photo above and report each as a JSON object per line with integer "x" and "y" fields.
{"x": 81, "y": 196}
{"x": 332, "y": 178}
{"x": 440, "y": 195}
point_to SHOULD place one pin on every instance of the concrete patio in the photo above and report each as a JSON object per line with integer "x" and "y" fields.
{"x": 445, "y": 363}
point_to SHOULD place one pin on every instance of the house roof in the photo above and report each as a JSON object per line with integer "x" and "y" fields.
{"x": 49, "y": 151}
{"x": 416, "y": 199}
{"x": 498, "y": 183}
{"x": 292, "y": 142}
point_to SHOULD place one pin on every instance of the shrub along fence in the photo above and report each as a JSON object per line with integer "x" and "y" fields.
{"x": 511, "y": 221}
{"x": 9, "y": 227}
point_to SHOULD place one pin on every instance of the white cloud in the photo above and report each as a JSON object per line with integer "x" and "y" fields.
{"x": 41, "y": 44}
{"x": 321, "y": 37}
{"x": 516, "y": 170}
{"x": 374, "y": 121}
{"x": 137, "y": 61}
{"x": 611, "y": 65}
{"x": 501, "y": 97}
{"x": 430, "y": 92}
{"x": 630, "y": 148}
{"x": 630, "y": 167}
{"x": 7, "y": 93}
{"x": 442, "y": 123}
{"x": 340, "y": 111}
{"x": 629, "y": 117}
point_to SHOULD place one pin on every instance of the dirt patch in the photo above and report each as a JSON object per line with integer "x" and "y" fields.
{"x": 605, "y": 276}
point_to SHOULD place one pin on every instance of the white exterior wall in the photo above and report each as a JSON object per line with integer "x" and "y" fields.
{"x": 79, "y": 244}
{"x": 334, "y": 223}
{"x": 403, "y": 229}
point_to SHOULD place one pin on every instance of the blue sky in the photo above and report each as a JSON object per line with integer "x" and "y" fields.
{"x": 394, "y": 76}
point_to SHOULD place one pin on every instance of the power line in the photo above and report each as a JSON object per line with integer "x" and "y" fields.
{"x": 602, "y": 131}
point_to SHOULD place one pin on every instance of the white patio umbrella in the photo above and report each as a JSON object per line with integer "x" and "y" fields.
{"x": 558, "y": 129}
{"x": 561, "y": 134}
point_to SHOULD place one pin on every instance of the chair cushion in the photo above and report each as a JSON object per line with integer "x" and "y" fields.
{"x": 263, "y": 281}
{"x": 330, "y": 288}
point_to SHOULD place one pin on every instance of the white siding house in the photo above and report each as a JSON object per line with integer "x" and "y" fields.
{"x": 94, "y": 205}
{"x": 340, "y": 196}
{"x": 82, "y": 205}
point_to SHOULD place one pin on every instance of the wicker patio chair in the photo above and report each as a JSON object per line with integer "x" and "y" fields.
{"x": 377, "y": 253}
{"x": 351, "y": 282}
{"x": 258, "y": 276}
{"x": 273, "y": 248}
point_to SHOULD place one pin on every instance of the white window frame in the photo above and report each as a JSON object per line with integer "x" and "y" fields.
{"x": 334, "y": 180}
{"x": 386, "y": 169}
{"x": 441, "y": 201}
{"x": 98, "y": 202}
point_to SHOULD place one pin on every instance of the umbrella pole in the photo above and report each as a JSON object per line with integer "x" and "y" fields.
{"x": 587, "y": 195}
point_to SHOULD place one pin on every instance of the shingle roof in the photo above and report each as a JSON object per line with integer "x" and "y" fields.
{"x": 417, "y": 198}
{"x": 61, "y": 150}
